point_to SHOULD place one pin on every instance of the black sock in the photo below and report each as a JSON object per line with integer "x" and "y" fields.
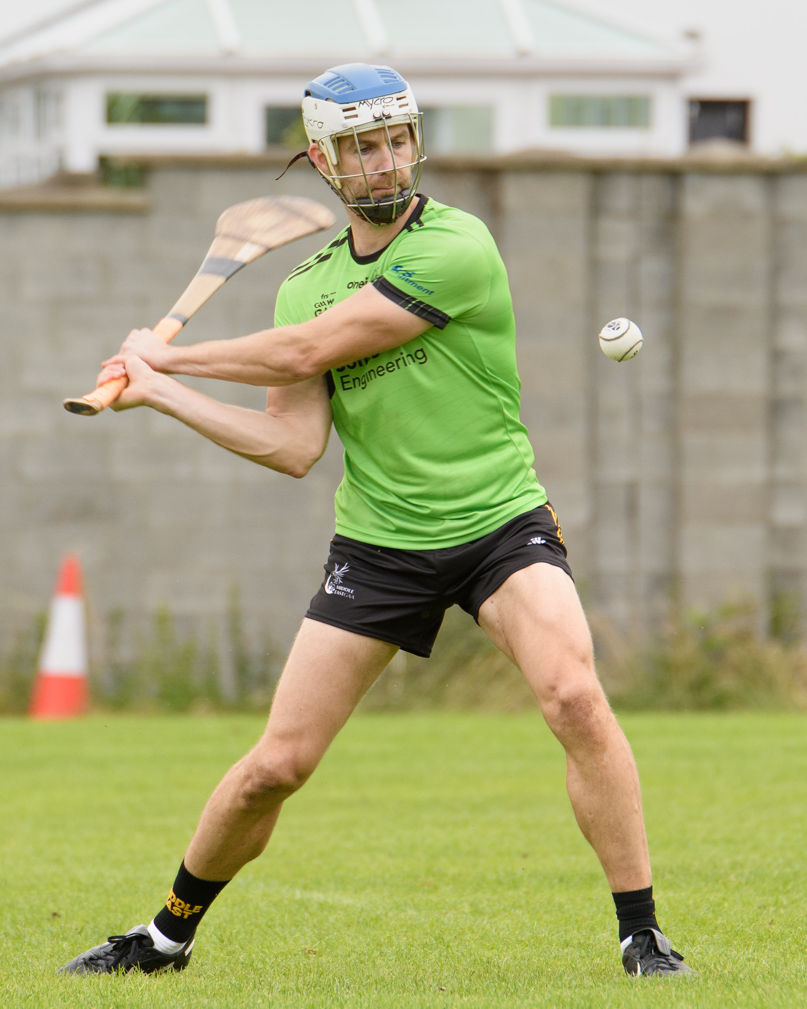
{"x": 635, "y": 910}
{"x": 186, "y": 905}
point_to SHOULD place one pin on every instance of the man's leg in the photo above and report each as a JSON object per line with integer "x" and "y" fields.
{"x": 327, "y": 673}
{"x": 536, "y": 619}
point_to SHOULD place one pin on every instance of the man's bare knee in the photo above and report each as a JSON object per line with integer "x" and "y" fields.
{"x": 575, "y": 709}
{"x": 266, "y": 780}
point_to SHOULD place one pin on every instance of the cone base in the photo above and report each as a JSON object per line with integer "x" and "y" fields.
{"x": 59, "y": 697}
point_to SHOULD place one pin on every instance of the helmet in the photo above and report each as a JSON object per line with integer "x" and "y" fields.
{"x": 351, "y": 99}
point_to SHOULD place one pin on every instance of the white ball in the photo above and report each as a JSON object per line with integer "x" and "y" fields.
{"x": 621, "y": 340}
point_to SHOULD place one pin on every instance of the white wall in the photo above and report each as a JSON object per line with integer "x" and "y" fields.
{"x": 522, "y": 112}
{"x": 665, "y": 136}
{"x": 236, "y": 119}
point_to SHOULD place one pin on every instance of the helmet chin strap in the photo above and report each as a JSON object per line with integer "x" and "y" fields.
{"x": 383, "y": 211}
{"x": 294, "y": 160}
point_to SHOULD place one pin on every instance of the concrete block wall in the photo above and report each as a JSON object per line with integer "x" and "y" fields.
{"x": 682, "y": 471}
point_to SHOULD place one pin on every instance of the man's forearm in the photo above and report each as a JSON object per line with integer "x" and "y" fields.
{"x": 287, "y": 445}
{"x": 271, "y": 357}
{"x": 362, "y": 325}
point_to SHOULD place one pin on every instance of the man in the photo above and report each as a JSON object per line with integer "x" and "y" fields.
{"x": 414, "y": 364}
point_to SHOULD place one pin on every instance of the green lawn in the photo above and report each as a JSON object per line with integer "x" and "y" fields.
{"x": 433, "y": 860}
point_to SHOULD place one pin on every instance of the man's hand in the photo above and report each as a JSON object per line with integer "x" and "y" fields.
{"x": 144, "y": 385}
{"x": 140, "y": 343}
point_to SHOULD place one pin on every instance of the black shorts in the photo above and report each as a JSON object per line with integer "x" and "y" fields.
{"x": 400, "y": 596}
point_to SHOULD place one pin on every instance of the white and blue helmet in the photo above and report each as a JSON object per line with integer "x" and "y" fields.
{"x": 349, "y": 99}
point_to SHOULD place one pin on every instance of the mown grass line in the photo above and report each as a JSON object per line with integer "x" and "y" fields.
{"x": 433, "y": 860}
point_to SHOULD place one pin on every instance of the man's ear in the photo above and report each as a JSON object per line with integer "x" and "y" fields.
{"x": 318, "y": 158}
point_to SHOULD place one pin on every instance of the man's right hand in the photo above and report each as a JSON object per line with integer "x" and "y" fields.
{"x": 144, "y": 344}
{"x": 144, "y": 382}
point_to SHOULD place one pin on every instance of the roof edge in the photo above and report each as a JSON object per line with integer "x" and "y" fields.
{"x": 231, "y": 66}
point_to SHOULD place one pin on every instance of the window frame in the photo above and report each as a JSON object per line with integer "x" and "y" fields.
{"x": 198, "y": 97}
{"x": 748, "y": 104}
{"x": 555, "y": 98}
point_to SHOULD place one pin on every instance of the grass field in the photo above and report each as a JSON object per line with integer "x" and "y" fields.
{"x": 432, "y": 861}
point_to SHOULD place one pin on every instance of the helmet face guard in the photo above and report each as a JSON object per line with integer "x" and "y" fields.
{"x": 404, "y": 178}
{"x": 347, "y": 101}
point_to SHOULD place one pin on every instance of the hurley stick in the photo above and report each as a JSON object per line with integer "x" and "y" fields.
{"x": 243, "y": 234}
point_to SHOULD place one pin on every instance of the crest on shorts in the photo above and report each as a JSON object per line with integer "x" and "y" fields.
{"x": 333, "y": 583}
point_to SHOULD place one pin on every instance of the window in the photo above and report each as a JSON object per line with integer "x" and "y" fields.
{"x": 284, "y": 128}
{"x": 124, "y": 107}
{"x": 458, "y": 129}
{"x": 709, "y": 120}
{"x": 48, "y": 112}
{"x": 625, "y": 112}
{"x": 10, "y": 115}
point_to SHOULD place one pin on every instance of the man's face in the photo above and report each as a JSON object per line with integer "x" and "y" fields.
{"x": 384, "y": 158}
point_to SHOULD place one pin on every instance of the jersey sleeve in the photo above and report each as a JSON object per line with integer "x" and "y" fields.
{"x": 439, "y": 273}
{"x": 283, "y": 311}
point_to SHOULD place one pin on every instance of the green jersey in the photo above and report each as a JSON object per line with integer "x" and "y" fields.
{"x": 435, "y": 452}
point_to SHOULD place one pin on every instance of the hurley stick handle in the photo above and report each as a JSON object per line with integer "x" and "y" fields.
{"x": 98, "y": 400}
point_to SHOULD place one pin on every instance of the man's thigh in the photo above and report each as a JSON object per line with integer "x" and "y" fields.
{"x": 536, "y": 619}
{"x": 327, "y": 673}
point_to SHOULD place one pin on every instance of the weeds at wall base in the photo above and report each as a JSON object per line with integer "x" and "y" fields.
{"x": 709, "y": 661}
{"x": 713, "y": 661}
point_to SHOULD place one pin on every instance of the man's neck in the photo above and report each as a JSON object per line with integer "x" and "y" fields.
{"x": 370, "y": 238}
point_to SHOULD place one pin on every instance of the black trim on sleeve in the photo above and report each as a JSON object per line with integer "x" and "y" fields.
{"x": 330, "y": 384}
{"x": 427, "y": 312}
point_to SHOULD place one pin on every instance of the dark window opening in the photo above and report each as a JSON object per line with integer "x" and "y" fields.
{"x": 710, "y": 120}
{"x": 122, "y": 107}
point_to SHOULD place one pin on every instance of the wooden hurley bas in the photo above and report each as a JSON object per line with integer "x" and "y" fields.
{"x": 243, "y": 234}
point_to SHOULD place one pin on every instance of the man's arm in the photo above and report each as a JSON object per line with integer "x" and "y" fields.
{"x": 289, "y": 437}
{"x": 364, "y": 324}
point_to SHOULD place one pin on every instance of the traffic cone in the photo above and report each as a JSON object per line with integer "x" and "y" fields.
{"x": 60, "y": 690}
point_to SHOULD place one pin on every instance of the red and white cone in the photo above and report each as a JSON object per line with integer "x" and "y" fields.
{"x": 60, "y": 690}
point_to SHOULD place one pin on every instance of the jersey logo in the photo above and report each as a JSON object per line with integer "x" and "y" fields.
{"x": 324, "y": 301}
{"x": 407, "y": 276}
{"x": 403, "y": 359}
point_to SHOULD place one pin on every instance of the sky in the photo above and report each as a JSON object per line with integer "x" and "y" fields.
{"x": 16, "y": 16}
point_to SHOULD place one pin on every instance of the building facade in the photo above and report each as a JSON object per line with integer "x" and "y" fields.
{"x": 127, "y": 78}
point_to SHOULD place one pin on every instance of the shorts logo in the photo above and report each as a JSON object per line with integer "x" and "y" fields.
{"x": 537, "y": 541}
{"x": 180, "y": 908}
{"x": 334, "y": 585}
